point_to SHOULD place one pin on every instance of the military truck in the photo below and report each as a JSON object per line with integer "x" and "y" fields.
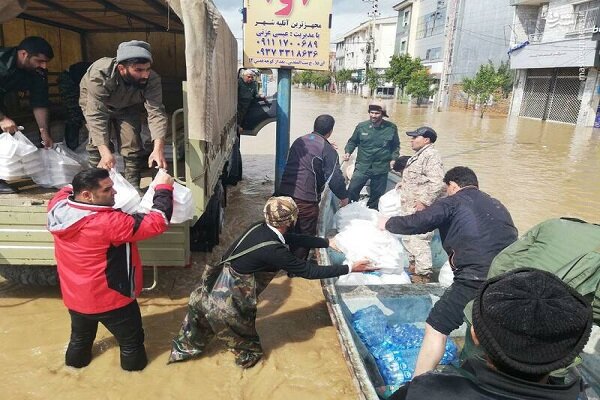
{"x": 195, "y": 53}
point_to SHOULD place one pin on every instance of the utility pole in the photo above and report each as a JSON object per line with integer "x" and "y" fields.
{"x": 370, "y": 47}
{"x": 450, "y": 32}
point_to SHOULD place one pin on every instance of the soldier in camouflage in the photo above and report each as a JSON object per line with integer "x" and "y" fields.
{"x": 224, "y": 306}
{"x": 68, "y": 88}
{"x": 422, "y": 183}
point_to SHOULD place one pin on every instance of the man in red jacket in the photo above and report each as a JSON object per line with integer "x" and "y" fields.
{"x": 99, "y": 265}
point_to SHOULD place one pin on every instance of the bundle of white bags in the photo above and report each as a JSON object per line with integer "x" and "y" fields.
{"x": 359, "y": 238}
{"x": 18, "y": 157}
{"x": 59, "y": 166}
{"x": 183, "y": 204}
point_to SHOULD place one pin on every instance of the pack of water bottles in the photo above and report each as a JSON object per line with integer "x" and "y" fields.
{"x": 396, "y": 347}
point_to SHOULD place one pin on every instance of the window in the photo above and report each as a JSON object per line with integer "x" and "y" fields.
{"x": 585, "y": 15}
{"x": 433, "y": 54}
{"x": 431, "y": 24}
{"x": 406, "y": 18}
{"x": 403, "y": 47}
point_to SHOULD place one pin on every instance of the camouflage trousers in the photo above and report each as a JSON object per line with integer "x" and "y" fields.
{"x": 224, "y": 306}
{"x": 419, "y": 252}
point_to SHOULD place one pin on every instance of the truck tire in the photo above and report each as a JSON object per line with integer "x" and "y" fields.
{"x": 30, "y": 275}
{"x": 204, "y": 235}
{"x": 234, "y": 168}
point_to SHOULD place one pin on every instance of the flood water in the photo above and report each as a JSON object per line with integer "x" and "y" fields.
{"x": 538, "y": 170}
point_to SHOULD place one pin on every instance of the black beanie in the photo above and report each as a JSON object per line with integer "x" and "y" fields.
{"x": 531, "y": 322}
{"x": 36, "y": 45}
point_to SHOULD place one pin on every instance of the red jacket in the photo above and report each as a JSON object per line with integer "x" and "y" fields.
{"x": 99, "y": 265}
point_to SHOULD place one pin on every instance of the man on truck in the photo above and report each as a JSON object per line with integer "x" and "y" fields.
{"x": 99, "y": 266}
{"x": 25, "y": 68}
{"x": 114, "y": 94}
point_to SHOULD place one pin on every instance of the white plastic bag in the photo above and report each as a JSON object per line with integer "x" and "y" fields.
{"x": 18, "y": 156}
{"x": 446, "y": 275}
{"x": 58, "y": 168}
{"x": 183, "y": 203}
{"x": 127, "y": 197}
{"x": 389, "y": 203}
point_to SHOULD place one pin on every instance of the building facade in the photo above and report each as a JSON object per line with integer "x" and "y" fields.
{"x": 481, "y": 34}
{"x": 556, "y": 60}
{"x": 371, "y": 43}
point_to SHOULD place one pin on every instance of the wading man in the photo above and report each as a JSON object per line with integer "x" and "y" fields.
{"x": 99, "y": 266}
{"x": 312, "y": 163}
{"x": 474, "y": 228}
{"x": 224, "y": 306}
{"x": 25, "y": 68}
{"x": 116, "y": 94}
{"x": 378, "y": 147}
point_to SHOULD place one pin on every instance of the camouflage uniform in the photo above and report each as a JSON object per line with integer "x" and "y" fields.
{"x": 422, "y": 180}
{"x": 224, "y": 306}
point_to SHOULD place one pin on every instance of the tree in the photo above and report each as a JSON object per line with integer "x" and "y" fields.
{"x": 468, "y": 89}
{"x": 401, "y": 67}
{"x": 419, "y": 85}
{"x": 306, "y": 77}
{"x": 373, "y": 80}
{"x": 321, "y": 79}
{"x": 486, "y": 84}
{"x": 506, "y": 76}
{"x": 342, "y": 76}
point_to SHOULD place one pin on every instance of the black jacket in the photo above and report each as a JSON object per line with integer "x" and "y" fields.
{"x": 14, "y": 79}
{"x": 274, "y": 257}
{"x": 482, "y": 383}
{"x": 312, "y": 162}
{"x": 474, "y": 228}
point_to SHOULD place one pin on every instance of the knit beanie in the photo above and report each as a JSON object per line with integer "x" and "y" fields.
{"x": 531, "y": 322}
{"x": 36, "y": 45}
{"x": 281, "y": 211}
{"x": 134, "y": 49}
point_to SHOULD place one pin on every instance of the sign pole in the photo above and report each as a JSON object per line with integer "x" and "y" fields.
{"x": 282, "y": 138}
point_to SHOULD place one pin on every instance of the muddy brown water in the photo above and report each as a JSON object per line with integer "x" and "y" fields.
{"x": 538, "y": 170}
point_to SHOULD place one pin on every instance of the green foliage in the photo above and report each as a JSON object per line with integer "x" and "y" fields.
{"x": 401, "y": 68}
{"x": 507, "y": 77}
{"x": 318, "y": 79}
{"x": 486, "y": 84}
{"x": 343, "y": 75}
{"x": 419, "y": 85}
{"x": 373, "y": 79}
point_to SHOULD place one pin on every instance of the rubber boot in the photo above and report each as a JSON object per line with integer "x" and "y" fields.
{"x": 133, "y": 169}
{"x": 5, "y": 188}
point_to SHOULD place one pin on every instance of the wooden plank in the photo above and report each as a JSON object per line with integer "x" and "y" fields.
{"x": 70, "y": 50}
{"x": 13, "y": 32}
{"x": 25, "y": 234}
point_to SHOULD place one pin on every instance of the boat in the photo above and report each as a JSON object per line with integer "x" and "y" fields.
{"x": 408, "y": 303}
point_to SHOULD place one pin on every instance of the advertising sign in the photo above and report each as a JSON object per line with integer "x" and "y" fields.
{"x": 287, "y": 34}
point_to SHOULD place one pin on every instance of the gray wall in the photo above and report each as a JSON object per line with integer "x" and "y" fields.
{"x": 483, "y": 33}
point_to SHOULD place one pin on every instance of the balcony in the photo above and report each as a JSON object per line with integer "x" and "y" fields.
{"x": 572, "y": 52}
{"x": 527, "y": 2}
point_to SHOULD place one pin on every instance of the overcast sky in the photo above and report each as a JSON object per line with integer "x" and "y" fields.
{"x": 347, "y": 14}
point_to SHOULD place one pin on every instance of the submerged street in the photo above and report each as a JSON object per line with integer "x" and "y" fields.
{"x": 538, "y": 170}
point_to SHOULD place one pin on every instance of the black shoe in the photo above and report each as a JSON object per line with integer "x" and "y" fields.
{"x": 5, "y": 188}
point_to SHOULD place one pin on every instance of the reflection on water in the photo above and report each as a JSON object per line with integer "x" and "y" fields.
{"x": 539, "y": 170}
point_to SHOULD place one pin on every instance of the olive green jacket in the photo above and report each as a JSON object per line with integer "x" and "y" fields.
{"x": 570, "y": 249}
{"x": 103, "y": 92}
{"x": 377, "y": 146}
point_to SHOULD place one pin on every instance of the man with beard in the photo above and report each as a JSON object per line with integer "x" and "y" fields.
{"x": 114, "y": 94}
{"x": 24, "y": 68}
